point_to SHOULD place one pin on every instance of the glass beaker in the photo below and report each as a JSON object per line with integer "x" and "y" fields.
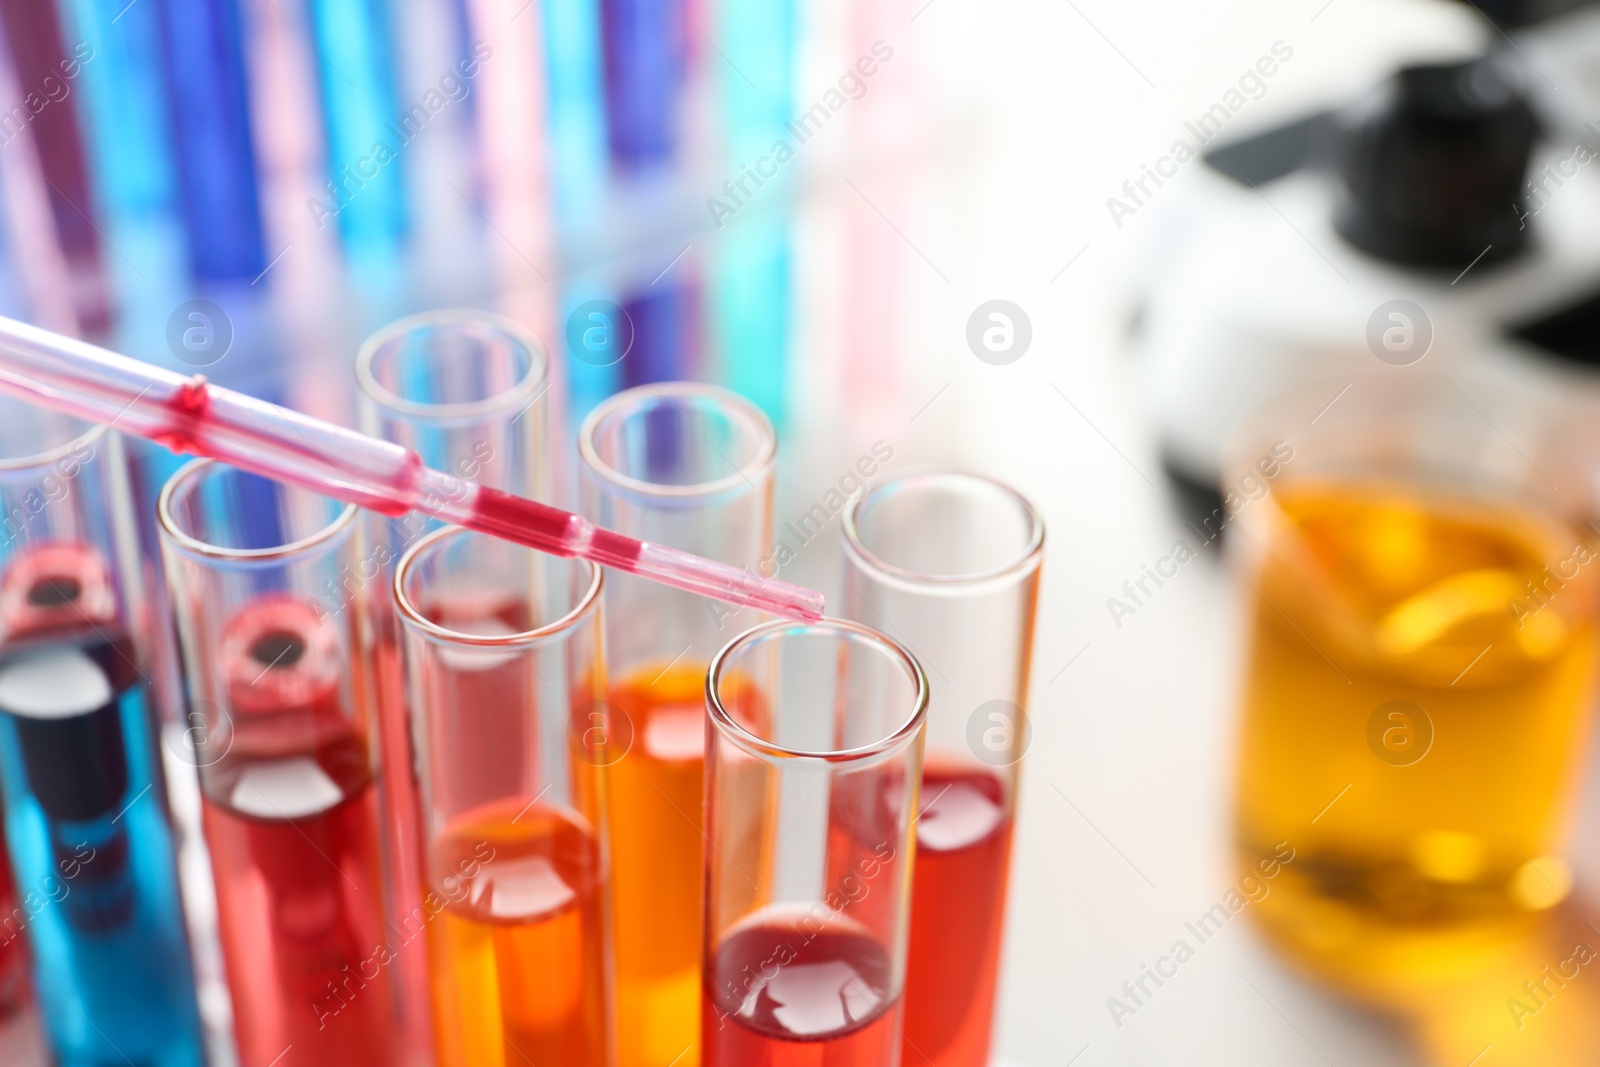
{"x": 1418, "y": 673}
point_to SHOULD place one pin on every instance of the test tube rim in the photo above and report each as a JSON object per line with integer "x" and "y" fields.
{"x": 535, "y": 381}
{"x": 749, "y": 475}
{"x": 21, "y": 465}
{"x": 760, "y": 747}
{"x": 587, "y": 603}
{"x": 1029, "y": 560}
{"x": 342, "y": 524}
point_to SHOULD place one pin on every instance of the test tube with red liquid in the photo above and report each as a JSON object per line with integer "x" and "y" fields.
{"x": 813, "y": 764}
{"x": 948, "y": 562}
{"x": 276, "y": 675}
{"x": 468, "y": 392}
{"x": 689, "y": 466}
{"x": 503, "y": 661}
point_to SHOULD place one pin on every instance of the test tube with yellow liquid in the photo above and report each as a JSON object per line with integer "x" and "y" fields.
{"x": 1420, "y": 594}
{"x": 503, "y": 659}
{"x": 690, "y": 467}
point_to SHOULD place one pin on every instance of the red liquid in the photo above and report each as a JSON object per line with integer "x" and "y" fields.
{"x": 290, "y": 815}
{"x": 489, "y": 692}
{"x": 13, "y": 957}
{"x": 958, "y": 901}
{"x": 793, "y": 992}
{"x": 526, "y": 522}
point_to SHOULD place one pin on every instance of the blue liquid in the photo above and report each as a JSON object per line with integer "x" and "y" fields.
{"x": 750, "y": 310}
{"x": 98, "y": 890}
{"x": 750, "y": 269}
{"x": 644, "y": 49}
{"x": 575, "y": 112}
{"x": 663, "y": 326}
{"x": 361, "y": 113}
{"x": 205, "y": 81}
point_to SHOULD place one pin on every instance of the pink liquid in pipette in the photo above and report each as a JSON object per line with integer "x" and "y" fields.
{"x": 188, "y": 415}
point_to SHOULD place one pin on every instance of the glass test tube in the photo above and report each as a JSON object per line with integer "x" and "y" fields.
{"x": 503, "y": 665}
{"x": 271, "y": 643}
{"x": 813, "y": 768}
{"x": 86, "y": 824}
{"x": 691, "y": 467}
{"x": 1418, "y": 675}
{"x": 948, "y": 562}
{"x": 466, "y": 390}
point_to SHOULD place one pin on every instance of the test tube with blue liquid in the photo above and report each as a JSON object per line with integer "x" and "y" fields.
{"x": 86, "y": 824}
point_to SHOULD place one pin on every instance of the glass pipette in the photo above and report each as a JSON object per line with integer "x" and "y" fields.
{"x": 190, "y": 415}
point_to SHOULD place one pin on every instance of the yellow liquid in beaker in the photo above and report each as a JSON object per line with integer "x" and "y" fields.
{"x": 1412, "y": 711}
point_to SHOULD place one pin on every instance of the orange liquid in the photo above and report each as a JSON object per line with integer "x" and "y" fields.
{"x": 1410, "y": 722}
{"x": 517, "y": 954}
{"x": 657, "y": 866}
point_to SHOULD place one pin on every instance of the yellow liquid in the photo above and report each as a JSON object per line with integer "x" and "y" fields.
{"x": 1407, "y": 733}
{"x": 517, "y": 956}
{"x": 657, "y": 866}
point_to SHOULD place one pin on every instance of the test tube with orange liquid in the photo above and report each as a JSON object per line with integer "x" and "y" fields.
{"x": 503, "y": 657}
{"x": 467, "y": 391}
{"x": 1420, "y": 589}
{"x": 689, "y": 467}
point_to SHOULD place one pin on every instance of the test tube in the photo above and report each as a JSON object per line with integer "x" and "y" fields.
{"x": 81, "y": 785}
{"x": 467, "y": 391}
{"x": 503, "y": 651}
{"x": 690, "y": 467}
{"x": 285, "y": 750}
{"x": 948, "y": 562}
{"x": 813, "y": 765}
